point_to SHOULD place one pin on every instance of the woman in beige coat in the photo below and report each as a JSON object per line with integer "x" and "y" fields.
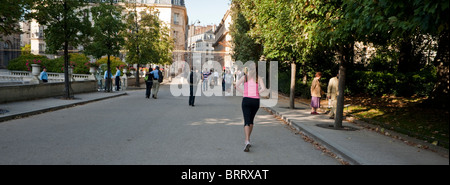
{"x": 316, "y": 93}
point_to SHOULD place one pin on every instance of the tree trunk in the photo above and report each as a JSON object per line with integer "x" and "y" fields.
{"x": 137, "y": 76}
{"x": 345, "y": 57}
{"x": 292, "y": 93}
{"x": 439, "y": 96}
{"x": 67, "y": 88}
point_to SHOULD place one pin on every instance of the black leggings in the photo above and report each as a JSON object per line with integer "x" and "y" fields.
{"x": 250, "y": 107}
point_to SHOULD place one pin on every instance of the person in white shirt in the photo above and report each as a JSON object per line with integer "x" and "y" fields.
{"x": 216, "y": 77}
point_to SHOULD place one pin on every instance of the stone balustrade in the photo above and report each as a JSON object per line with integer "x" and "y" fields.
{"x": 25, "y": 77}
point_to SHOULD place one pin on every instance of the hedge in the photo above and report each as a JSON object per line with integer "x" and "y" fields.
{"x": 53, "y": 65}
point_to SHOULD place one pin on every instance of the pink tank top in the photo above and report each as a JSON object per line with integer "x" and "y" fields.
{"x": 251, "y": 89}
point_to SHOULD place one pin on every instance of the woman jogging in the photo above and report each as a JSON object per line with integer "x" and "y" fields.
{"x": 250, "y": 100}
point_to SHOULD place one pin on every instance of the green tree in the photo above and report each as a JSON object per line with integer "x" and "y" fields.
{"x": 245, "y": 47}
{"x": 287, "y": 29}
{"x": 166, "y": 45}
{"x": 136, "y": 40}
{"x": 67, "y": 24}
{"x": 334, "y": 30}
{"x": 147, "y": 39}
{"x": 11, "y": 13}
{"x": 390, "y": 22}
{"x": 107, "y": 38}
{"x": 273, "y": 29}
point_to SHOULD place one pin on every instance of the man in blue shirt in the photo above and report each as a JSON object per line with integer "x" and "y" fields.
{"x": 44, "y": 76}
{"x": 155, "y": 87}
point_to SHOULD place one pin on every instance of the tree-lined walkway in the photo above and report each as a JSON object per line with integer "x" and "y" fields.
{"x": 133, "y": 130}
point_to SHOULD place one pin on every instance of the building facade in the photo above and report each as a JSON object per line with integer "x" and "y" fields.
{"x": 200, "y": 44}
{"x": 222, "y": 44}
{"x": 9, "y": 49}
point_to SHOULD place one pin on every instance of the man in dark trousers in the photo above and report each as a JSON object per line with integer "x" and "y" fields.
{"x": 193, "y": 81}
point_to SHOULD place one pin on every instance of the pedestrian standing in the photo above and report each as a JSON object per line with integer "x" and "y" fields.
{"x": 156, "y": 76}
{"x": 108, "y": 77}
{"x": 117, "y": 76}
{"x": 193, "y": 81}
{"x": 223, "y": 81}
{"x": 148, "y": 83}
{"x": 216, "y": 77}
{"x": 228, "y": 82}
{"x": 332, "y": 93}
{"x": 250, "y": 100}
{"x": 44, "y": 76}
{"x": 205, "y": 76}
{"x": 316, "y": 93}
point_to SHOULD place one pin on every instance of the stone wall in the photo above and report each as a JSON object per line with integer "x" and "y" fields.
{"x": 28, "y": 92}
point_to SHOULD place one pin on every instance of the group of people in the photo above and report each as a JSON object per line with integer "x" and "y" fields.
{"x": 332, "y": 93}
{"x": 211, "y": 78}
{"x": 252, "y": 84}
{"x": 116, "y": 77}
{"x": 153, "y": 78}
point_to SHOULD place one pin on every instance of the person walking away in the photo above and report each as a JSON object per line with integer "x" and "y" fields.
{"x": 193, "y": 81}
{"x": 316, "y": 93}
{"x": 332, "y": 93}
{"x": 148, "y": 83}
{"x": 156, "y": 76}
{"x": 117, "y": 77}
{"x": 44, "y": 76}
{"x": 250, "y": 100}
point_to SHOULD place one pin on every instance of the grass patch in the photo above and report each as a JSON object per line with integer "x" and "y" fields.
{"x": 404, "y": 115}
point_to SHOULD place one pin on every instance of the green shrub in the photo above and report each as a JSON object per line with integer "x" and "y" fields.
{"x": 419, "y": 83}
{"x": 115, "y": 61}
{"x": 52, "y": 65}
{"x": 20, "y": 63}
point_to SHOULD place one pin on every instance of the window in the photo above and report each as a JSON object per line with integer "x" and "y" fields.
{"x": 41, "y": 48}
{"x": 176, "y": 18}
{"x": 6, "y": 45}
{"x": 176, "y": 2}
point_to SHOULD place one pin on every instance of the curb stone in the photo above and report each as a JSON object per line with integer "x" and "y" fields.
{"x": 40, "y": 111}
{"x": 341, "y": 152}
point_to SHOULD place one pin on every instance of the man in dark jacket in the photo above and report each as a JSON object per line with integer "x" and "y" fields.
{"x": 193, "y": 81}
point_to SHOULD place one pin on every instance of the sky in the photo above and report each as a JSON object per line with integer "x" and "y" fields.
{"x": 206, "y": 11}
